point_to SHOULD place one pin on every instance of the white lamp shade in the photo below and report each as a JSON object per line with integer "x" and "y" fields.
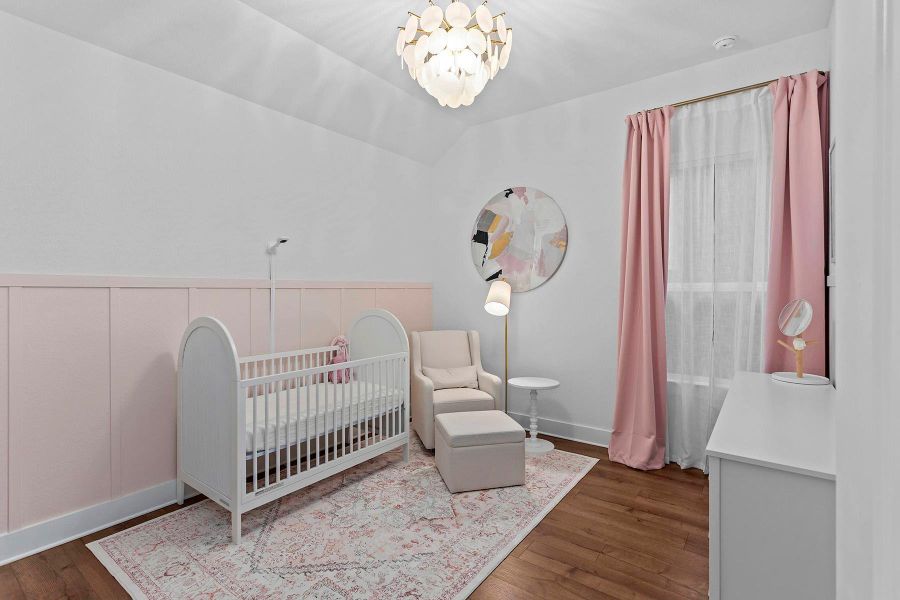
{"x": 497, "y": 301}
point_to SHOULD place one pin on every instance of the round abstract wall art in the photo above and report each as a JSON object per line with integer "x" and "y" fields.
{"x": 520, "y": 236}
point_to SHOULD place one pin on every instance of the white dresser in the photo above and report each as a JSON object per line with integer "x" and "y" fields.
{"x": 771, "y": 492}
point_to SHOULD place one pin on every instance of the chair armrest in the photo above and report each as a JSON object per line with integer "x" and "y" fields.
{"x": 422, "y": 407}
{"x": 490, "y": 383}
{"x": 423, "y": 387}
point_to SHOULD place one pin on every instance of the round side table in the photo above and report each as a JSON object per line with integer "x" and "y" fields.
{"x": 533, "y": 445}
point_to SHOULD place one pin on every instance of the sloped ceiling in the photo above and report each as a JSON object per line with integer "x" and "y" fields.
{"x": 331, "y": 62}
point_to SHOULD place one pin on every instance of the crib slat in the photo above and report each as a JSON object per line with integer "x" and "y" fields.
{"x": 385, "y": 417}
{"x": 391, "y": 398}
{"x": 297, "y": 424}
{"x": 374, "y": 396}
{"x": 316, "y": 419}
{"x": 266, "y": 434}
{"x": 292, "y": 366}
{"x": 253, "y": 448}
{"x": 344, "y": 406}
{"x": 332, "y": 392}
{"x": 364, "y": 406}
{"x": 287, "y": 424}
{"x": 392, "y": 425}
{"x": 308, "y": 410}
{"x": 404, "y": 421}
{"x": 277, "y": 433}
{"x": 387, "y": 398}
{"x": 376, "y": 406}
{"x": 361, "y": 405}
{"x": 396, "y": 398}
{"x": 380, "y": 399}
{"x": 359, "y": 411}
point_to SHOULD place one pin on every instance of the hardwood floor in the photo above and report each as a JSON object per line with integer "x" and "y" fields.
{"x": 618, "y": 534}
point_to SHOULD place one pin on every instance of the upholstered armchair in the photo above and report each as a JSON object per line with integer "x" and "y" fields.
{"x": 447, "y": 376}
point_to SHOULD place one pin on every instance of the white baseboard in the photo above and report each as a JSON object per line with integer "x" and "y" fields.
{"x": 41, "y": 536}
{"x": 569, "y": 431}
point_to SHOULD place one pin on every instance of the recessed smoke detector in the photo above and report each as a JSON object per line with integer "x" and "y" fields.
{"x": 725, "y": 42}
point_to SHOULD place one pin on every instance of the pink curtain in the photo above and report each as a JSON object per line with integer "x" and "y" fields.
{"x": 799, "y": 187}
{"x": 639, "y": 428}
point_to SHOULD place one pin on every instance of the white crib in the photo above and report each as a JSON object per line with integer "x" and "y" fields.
{"x": 253, "y": 429}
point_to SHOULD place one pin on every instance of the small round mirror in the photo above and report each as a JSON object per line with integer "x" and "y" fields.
{"x": 795, "y": 317}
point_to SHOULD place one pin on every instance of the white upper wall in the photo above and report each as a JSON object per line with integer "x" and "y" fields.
{"x": 112, "y": 166}
{"x": 118, "y": 167}
{"x": 573, "y": 151}
{"x": 231, "y": 46}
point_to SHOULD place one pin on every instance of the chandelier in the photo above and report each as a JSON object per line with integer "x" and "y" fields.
{"x": 451, "y": 56}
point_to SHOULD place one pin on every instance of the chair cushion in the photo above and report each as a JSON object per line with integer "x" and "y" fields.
{"x": 461, "y": 399}
{"x": 445, "y": 349}
{"x": 454, "y": 377}
{"x": 482, "y": 428}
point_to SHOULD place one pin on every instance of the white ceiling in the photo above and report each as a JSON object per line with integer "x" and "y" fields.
{"x": 332, "y": 62}
{"x": 564, "y": 49}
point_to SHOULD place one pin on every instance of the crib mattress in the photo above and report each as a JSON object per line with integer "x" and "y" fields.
{"x": 339, "y": 405}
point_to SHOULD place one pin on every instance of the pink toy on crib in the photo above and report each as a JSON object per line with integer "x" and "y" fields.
{"x": 341, "y": 356}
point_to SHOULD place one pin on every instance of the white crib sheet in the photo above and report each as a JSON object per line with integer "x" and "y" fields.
{"x": 340, "y": 405}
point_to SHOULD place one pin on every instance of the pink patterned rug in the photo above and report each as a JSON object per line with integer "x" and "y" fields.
{"x": 382, "y": 530}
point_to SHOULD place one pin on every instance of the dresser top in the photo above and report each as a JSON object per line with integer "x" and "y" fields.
{"x": 779, "y": 425}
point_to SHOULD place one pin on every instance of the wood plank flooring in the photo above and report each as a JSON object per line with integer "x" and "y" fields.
{"x": 618, "y": 534}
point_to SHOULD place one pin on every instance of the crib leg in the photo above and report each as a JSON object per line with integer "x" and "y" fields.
{"x": 179, "y": 491}
{"x": 236, "y": 527}
{"x": 406, "y": 452}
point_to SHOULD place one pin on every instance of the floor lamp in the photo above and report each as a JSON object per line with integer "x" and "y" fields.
{"x": 497, "y": 304}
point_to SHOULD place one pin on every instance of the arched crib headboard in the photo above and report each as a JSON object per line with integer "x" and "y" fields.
{"x": 208, "y": 376}
{"x": 376, "y": 332}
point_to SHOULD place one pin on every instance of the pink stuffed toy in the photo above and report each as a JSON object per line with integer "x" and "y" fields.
{"x": 341, "y": 356}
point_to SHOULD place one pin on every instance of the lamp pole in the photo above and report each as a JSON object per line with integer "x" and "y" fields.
{"x": 506, "y": 362}
{"x": 271, "y": 250}
{"x": 497, "y": 304}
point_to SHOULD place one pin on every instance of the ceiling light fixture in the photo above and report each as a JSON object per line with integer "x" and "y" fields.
{"x": 454, "y": 53}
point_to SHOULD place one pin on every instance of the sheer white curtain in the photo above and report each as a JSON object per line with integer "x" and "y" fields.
{"x": 719, "y": 200}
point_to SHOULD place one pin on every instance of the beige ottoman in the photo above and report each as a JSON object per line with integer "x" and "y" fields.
{"x": 479, "y": 450}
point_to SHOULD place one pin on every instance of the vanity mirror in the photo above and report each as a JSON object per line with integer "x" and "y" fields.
{"x": 793, "y": 320}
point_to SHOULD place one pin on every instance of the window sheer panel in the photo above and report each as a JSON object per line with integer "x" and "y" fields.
{"x": 720, "y": 191}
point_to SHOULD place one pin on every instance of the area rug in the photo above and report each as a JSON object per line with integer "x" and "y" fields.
{"x": 380, "y": 531}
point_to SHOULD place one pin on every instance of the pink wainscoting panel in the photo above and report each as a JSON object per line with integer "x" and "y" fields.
{"x": 353, "y": 302}
{"x": 287, "y": 320}
{"x": 393, "y": 300}
{"x": 259, "y": 321}
{"x": 4, "y": 409}
{"x": 419, "y": 307}
{"x": 146, "y": 329}
{"x": 320, "y": 316}
{"x": 59, "y": 403}
{"x": 87, "y": 372}
{"x": 231, "y": 306}
{"x": 411, "y": 305}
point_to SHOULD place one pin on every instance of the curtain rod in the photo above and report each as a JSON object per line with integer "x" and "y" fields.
{"x": 720, "y": 94}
